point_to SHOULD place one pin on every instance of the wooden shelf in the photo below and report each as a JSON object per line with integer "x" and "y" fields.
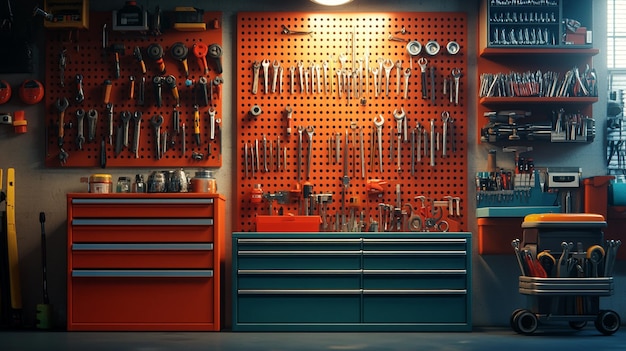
{"x": 537, "y": 100}
{"x": 492, "y": 52}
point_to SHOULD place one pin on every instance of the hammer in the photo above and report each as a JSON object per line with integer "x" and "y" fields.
{"x": 117, "y": 49}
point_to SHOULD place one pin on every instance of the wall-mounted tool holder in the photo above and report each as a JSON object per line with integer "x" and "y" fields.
{"x": 154, "y": 87}
{"x": 312, "y": 91}
{"x": 66, "y": 14}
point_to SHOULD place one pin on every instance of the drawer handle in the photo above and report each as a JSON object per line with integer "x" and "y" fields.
{"x": 143, "y": 247}
{"x": 415, "y": 252}
{"x": 392, "y": 241}
{"x": 143, "y": 221}
{"x": 300, "y": 292}
{"x": 416, "y": 292}
{"x": 416, "y": 271}
{"x": 142, "y": 273}
{"x": 298, "y": 271}
{"x": 298, "y": 241}
{"x": 297, "y": 253}
{"x": 143, "y": 201}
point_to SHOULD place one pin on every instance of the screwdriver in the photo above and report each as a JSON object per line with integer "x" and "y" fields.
{"x": 196, "y": 124}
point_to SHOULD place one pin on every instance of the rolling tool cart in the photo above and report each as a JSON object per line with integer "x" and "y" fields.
{"x": 564, "y": 272}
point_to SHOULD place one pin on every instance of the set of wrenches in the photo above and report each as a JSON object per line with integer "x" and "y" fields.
{"x": 351, "y": 82}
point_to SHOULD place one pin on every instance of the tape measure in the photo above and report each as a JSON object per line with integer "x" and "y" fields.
{"x": 31, "y": 92}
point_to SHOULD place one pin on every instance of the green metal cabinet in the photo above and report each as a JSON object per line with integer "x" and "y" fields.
{"x": 351, "y": 282}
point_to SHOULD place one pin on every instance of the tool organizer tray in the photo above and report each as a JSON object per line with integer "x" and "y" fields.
{"x": 262, "y": 112}
{"x": 602, "y": 286}
{"x": 86, "y": 56}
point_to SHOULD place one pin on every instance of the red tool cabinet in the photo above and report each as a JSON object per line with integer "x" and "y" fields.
{"x": 144, "y": 261}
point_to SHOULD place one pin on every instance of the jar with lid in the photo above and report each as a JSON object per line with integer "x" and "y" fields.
{"x": 204, "y": 182}
{"x": 139, "y": 186}
{"x": 100, "y": 183}
{"x": 123, "y": 185}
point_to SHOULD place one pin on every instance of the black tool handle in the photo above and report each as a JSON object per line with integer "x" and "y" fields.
{"x": 44, "y": 265}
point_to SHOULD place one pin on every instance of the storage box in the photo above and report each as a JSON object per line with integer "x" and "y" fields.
{"x": 547, "y": 231}
{"x": 495, "y": 235}
{"x": 577, "y": 38}
{"x": 291, "y": 224}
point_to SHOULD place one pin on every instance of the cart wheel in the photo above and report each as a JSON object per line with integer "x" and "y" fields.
{"x": 607, "y": 322}
{"x": 512, "y": 319}
{"x": 526, "y": 322}
{"x": 578, "y": 325}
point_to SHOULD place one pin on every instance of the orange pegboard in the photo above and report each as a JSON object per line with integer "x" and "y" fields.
{"x": 85, "y": 56}
{"x": 352, "y": 41}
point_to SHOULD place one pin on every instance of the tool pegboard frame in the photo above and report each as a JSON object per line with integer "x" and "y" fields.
{"x": 92, "y": 54}
{"x": 273, "y": 110}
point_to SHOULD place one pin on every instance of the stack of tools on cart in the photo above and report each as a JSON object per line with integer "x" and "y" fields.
{"x": 572, "y": 83}
{"x": 565, "y": 267}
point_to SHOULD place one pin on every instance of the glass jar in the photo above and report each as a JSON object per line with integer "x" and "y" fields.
{"x": 204, "y": 182}
{"x": 123, "y": 185}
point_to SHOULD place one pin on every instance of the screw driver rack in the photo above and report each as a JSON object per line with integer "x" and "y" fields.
{"x": 111, "y": 82}
{"x": 312, "y": 88}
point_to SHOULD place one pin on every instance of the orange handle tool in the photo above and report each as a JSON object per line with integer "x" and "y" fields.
{"x": 107, "y": 91}
{"x": 200, "y": 50}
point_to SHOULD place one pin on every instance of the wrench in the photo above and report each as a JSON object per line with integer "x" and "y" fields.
{"x": 156, "y": 122}
{"x": 137, "y": 121}
{"x": 300, "y": 130}
{"x": 80, "y": 118}
{"x": 325, "y": 68}
{"x": 418, "y": 147}
{"x": 423, "y": 62}
{"x": 312, "y": 69}
{"x": 275, "y": 68}
{"x": 309, "y": 131}
{"x": 306, "y": 80}
{"x": 388, "y": 66}
{"x": 375, "y": 74}
{"x": 281, "y": 71}
{"x": 292, "y": 70}
{"x": 381, "y": 62}
{"x": 301, "y": 72}
{"x": 398, "y": 72}
{"x": 125, "y": 117}
{"x": 289, "y": 111}
{"x": 407, "y": 75}
{"x": 256, "y": 67}
{"x": 92, "y": 120}
{"x": 110, "y": 116}
{"x": 399, "y": 117}
{"x": 445, "y": 116}
{"x": 319, "y": 78}
{"x": 432, "y": 142}
{"x": 339, "y": 82}
{"x": 61, "y": 105}
{"x": 378, "y": 122}
{"x": 456, "y": 74}
{"x": 80, "y": 94}
{"x": 266, "y": 65}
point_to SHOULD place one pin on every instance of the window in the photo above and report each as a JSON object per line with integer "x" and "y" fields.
{"x": 616, "y": 44}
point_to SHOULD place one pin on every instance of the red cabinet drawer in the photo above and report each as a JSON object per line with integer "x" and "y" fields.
{"x": 139, "y": 301}
{"x": 144, "y": 207}
{"x": 173, "y": 256}
{"x": 142, "y": 230}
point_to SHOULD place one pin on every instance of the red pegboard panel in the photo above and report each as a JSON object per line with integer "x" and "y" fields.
{"x": 85, "y": 56}
{"x": 276, "y": 37}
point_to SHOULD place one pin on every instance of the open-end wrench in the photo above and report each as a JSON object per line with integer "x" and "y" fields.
{"x": 275, "y": 68}
{"x": 312, "y": 73}
{"x": 423, "y": 62}
{"x": 256, "y": 67}
{"x": 92, "y": 121}
{"x": 381, "y": 62}
{"x": 362, "y": 151}
{"x": 110, "y": 117}
{"x": 125, "y": 117}
{"x": 398, "y": 73}
{"x": 412, "y": 152}
{"x": 399, "y": 117}
{"x": 378, "y": 122}
{"x": 80, "y": 93}
{"x": 339, "y": 82}
{"x": 80, "y": 125}
{"x": 156, "y": 122}
{"x": 300, "y": 130}
{"x": 266, "y": 65}
{"x": 318, "y": 72}
{"x": 265, "y": 168}
{"x": 432, "y": 142}
{"x": 309, "y": 131}
{"x": 325, "y": 68}
{"x": 388, "y": 66}
{"x": 375, "y": 75}
{"x": 456, "y": 74}
{"x": 300, "y": 65}
{"x": 212, "y": 113}
{"x": 407, "y": 75}
{"x": 292, "y": 70}
{"x": 137, "y": 132}
{"x": 347, "y": 77}
{"x": 281, "y": 73}
{"x": 418, "y": 146}
{"x": 306, "y": 80}
{"x": 367, "y": 71}
{"x": 445, "y": 116}
{"x": 61, "y": 105}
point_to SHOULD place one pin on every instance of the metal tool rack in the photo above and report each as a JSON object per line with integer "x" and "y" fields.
{"x": 573, "y": 300}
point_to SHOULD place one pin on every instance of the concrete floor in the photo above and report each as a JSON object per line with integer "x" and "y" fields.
{"x": 552, "y": 338}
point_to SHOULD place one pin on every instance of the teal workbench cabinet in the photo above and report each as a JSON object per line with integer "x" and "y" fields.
{"x": 352, "y": 281}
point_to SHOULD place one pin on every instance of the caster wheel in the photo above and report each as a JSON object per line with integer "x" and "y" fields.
{"x": 607, "y": 322}
{"x": 577, "y": 325}
{"x": 525, "y": 322}
{"x": 512, "y": 319}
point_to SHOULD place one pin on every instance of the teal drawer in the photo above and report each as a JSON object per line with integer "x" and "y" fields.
{"x": 417, "y": 259}
{"x": 298, "y": 307}
{"x": 298, "y": 244}
{"x": 415, "y": 279}
{"x": 300, "y": 279}
{"x": 298, "y": 260}
{"x": 423, "y": 244}
{"x": 415, "y": 308}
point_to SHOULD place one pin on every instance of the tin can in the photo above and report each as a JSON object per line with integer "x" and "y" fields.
{"x": 100, "y": 183}
{"x": 204, "y": 182}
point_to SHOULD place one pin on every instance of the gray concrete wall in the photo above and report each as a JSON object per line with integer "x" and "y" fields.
{"x": 42, "y": 189}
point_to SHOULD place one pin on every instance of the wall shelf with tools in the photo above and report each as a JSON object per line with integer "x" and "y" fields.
{"x": 360, "y": 118}
{"x": 537, "y": 86}
{"x": 134, "y": 97}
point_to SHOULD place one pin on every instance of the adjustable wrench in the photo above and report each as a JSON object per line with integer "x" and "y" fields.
{"x": 423, "y": 62}
{"x": 275, "y": 68}
{"x": 137, "y": 121}
{"x": 388, "y": 66}
{"x": 156, "y": 122}
{"x": 256, "y": 67}
{"x": 309, "y": 131}
{"x": 266, "y": 65}
{"x": 80, "y": 137}
{"x": 378, "y": 122}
